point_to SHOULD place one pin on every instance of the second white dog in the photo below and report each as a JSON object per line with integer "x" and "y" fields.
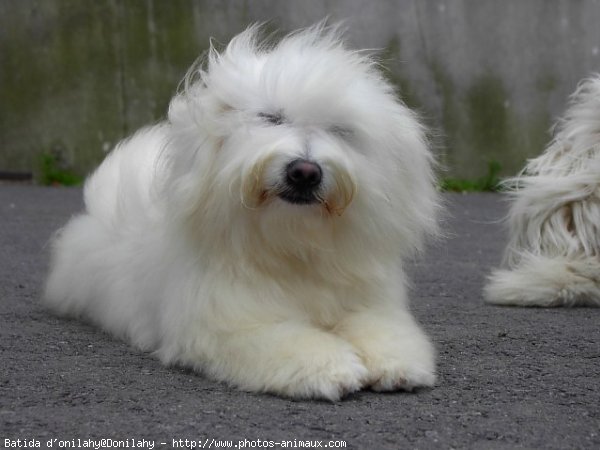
{"x": 553, "y": 256}
{"x": 258, "y": 235}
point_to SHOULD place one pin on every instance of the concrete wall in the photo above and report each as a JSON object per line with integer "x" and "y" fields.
{"x": 489, "y": 76}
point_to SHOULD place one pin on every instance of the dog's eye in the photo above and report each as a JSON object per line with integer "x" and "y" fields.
{"x": 273, "y": 119}
{"x": 343, "y": 132}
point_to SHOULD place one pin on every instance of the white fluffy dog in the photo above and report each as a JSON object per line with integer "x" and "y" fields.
{"x": 258, "y": 235}
{"x": 553, "y": 255}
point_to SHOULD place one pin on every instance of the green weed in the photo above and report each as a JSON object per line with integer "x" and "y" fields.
{"x": 53, "y": 173}
{"x": 488, "y": 183}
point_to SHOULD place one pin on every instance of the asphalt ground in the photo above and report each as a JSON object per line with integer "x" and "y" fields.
{"x": 508, "y": 377}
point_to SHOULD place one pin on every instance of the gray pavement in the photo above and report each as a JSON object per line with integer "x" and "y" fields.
{"x": 508, "y": 377}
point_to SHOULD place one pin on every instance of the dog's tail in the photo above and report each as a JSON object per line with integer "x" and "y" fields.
{"x": 546, "y": 281}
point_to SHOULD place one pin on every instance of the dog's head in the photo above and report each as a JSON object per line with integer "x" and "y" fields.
{"x": 300, "y": 134}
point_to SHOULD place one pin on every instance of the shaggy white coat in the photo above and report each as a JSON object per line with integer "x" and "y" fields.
{"x": 553, "y": 255}
{"x": 186, "y": 250}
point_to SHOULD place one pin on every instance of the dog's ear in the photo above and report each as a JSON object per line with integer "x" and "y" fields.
{"x": 415, "y": 193}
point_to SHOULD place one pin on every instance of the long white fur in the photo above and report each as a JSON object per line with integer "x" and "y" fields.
{"x": 185, "y": 250}
{"x": 553, "y": 255}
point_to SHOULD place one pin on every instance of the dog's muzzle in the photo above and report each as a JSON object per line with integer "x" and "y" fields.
{"x": 302, "y": 179}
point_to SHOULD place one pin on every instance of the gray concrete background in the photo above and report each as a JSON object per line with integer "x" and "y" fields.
{"x": 490, "y": 76}
{"x": 509, "y": 378}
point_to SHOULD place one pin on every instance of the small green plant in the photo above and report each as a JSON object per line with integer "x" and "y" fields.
{"x": 488, "y": 183}
{"x": 53, "y": 173}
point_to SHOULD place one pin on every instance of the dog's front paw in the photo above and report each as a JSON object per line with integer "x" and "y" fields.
{"x": 325, "y": 373}
{"x": 395, "y": 351}
{"x": 397, "y": 374}
{"x": 289, "y": 359}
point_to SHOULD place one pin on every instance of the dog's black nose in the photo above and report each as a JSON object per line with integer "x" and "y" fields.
{"x": 302, "y": 181}
{"x": 303, "y": 174}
